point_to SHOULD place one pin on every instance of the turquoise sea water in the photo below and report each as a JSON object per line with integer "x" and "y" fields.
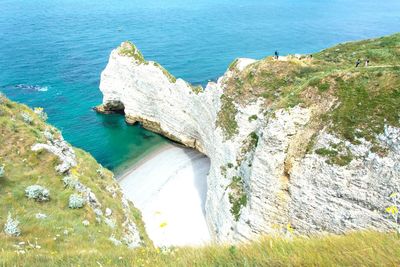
{"x": 52, "y": 51}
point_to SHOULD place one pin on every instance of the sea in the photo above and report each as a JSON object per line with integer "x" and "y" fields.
{"x": 52, "y": 52}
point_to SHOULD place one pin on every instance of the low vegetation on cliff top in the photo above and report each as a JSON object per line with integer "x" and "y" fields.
{"x": 355, "y": 249}
{"x": 33, "y": 193}
{"x": 354, "y": 102}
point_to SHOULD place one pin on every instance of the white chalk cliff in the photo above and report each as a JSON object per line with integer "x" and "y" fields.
{"x": 265, "y": 187}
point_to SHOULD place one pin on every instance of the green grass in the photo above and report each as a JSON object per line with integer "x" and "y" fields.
{"x": 352, "y": 249}
{"x": 171, "y": 78}
{"x": 23, "y": 168}
{"x": 368, "y": 100}
{"x": 196, "y": 89}
{"x": 233, "y": 65}
{"x": 341, "y": 158}
{"x": 226, "y": 117}
{"x": 253, "y": 118}
{"x": 364, "y": 99}
{"x": 237, "y": 196}
{"x": 130, "y": 50}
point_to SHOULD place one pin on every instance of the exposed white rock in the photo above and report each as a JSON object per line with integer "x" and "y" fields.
{"x": 282, "y": 186}
{"x": 61, "y": 149}
{"x": 66, "y": 155}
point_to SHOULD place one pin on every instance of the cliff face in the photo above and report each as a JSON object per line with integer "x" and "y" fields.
{"x": 280, "y": 155}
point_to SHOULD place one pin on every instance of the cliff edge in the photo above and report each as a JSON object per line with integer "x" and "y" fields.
{"x": 304, "y": 143}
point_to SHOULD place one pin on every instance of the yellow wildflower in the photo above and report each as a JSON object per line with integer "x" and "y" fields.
{"x": 392, "y": 210}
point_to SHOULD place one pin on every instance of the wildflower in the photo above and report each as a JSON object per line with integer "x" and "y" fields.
{"x": 40, "y": 216}
{"x": 108, "y": 212}
{"x": 393, "y": 210}
{"x": 289, "y": 228}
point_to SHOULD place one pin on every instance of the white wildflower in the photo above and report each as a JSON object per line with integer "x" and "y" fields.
{"x": 40, "y": 216}
{"x": 108, "y": 212}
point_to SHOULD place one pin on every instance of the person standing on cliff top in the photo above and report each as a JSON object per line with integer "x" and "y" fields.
{"x": 366, "y": 62}
{"x": 358, "y": 62}
{"x": 276, "y": 55}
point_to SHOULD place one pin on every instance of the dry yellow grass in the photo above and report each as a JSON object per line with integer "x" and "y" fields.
{"x": 353, "y": 249}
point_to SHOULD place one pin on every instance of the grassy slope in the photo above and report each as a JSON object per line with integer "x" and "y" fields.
{"x": 356, "y": 249}
{"x": 366, "y": 97}
{"x": 24, "y": 167}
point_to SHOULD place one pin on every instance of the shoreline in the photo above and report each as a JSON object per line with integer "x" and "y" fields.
{"x": 147, "y": 156}
{"x": 169, "y": 187}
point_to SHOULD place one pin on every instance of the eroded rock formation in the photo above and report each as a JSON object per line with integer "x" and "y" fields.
{"x": 264, "y": 174}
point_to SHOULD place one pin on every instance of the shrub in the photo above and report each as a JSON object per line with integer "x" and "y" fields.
{"x": 101, "y": 173}
{"x": 253, "y": 118}
{"x": 40, "y": 112}
{"x": 237, "y": 196}
{"x": 11, "y": 227}
{"x": 26, "y": 118}
{"x": 48, "y": 135}
{"x": 323, "y": 87}
{"x": 227, "y": 117}
{"x": 76, "y": 201}
{"x": 128, "y": 49}
{"x": 2, "y": 172}
{"x": 115, "y": 241}
{"x": 38, "y": 193}
{"x": 70, "y": 182}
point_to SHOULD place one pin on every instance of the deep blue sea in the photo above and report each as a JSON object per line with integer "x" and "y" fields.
{"x": 52, "y": 51}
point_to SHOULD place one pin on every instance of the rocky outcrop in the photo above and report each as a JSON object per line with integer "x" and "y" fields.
{"x": 261, "y": 178}
{"x": 66, "y": 155}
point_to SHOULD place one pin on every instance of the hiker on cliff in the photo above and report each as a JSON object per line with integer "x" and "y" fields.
{"x": 276, "y": 55}
{"x": 358, "y": 62}
{"x": 366, "y": 62}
